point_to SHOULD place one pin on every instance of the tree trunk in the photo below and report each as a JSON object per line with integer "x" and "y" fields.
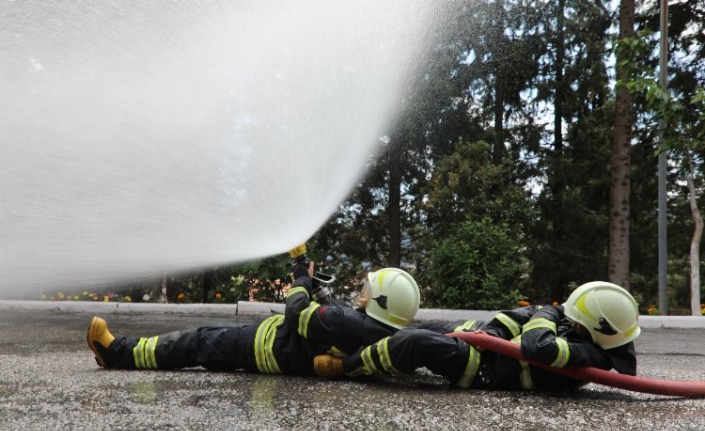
{"x": 394, "y": 259}
{"x": 558, "y": 184}
{"x": 694, "y": 247}
{"x": 161, "y": 291}
{"x": 499, "y": 71}
{"x": 620, "y": 164}
{"x": 209, "y": 283}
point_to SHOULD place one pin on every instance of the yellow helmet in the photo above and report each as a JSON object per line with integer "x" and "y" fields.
{"x": 393, "y": 297}
{"x": 608, "y": 311}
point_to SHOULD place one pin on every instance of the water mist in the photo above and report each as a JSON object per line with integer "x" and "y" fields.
{"x": 146, "y": 137}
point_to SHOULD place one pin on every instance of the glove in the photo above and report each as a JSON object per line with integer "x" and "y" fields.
{"x": 328, "y": 366}
{"x": 301, "y": 271}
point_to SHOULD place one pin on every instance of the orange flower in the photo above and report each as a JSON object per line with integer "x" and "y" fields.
{"x": 555, "y": 303}
{"x": 180, "y": 296}
{"x": 523, "y": 303}
{"x": 218, "y": 295}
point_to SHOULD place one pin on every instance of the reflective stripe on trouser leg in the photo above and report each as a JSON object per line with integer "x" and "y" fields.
{"x": 406, "y": 351}
{"x": 468, "y": 325}
{"x": 470, "y": 369}
{"x": 525, "y": 374}
{"x": 375, "y": 360}
{"x": 264, "y": 345}
{"x": 144, "y": 355}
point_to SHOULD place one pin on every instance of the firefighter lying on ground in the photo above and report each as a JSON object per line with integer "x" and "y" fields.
{"x": 278, "y": 344}
{"x": 595, "y": 327}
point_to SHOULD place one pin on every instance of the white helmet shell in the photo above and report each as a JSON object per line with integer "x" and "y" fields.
{"x": 608, "y": 311}
{"x": 394, "y": 297}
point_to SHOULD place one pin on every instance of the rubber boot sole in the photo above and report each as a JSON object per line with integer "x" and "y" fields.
{"x": 89, "y": 340}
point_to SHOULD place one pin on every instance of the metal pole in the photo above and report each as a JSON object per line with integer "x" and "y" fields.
{"x": 662, "y": 167}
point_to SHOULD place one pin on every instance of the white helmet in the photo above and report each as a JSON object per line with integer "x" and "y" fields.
{"x": 393, "y": 297}
{"x": 608, "y": 311}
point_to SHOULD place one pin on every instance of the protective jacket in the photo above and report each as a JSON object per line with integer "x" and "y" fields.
{"x": 544, "y": 333}
{"x": 279, "y": 344}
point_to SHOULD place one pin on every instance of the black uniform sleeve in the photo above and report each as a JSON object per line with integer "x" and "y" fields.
{"x": 338, "y": 326}
{"x": 624, "y": 358}
{"x": 539, "y": 341}
{"x": 297, "y": 300}
{"x": 508, "y": 324}
{"x": 455, "y": 326}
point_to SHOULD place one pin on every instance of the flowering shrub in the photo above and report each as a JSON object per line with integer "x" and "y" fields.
{"x": 653, "y": 311}
{"x": 525, "y": 303}
{"x": 88, "y": 296}
{"x": 231, "y": 292}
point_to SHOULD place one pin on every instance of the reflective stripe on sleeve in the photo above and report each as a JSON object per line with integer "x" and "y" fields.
{"x": 510, "y": 323}
{"x": 563, "y": 353}
{"x": 295, "y": 290}
{"x": 305, "y": 318}
{"x": 540, "y": 322}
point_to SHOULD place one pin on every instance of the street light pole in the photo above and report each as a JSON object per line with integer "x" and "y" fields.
{"x": 662, "y": 168}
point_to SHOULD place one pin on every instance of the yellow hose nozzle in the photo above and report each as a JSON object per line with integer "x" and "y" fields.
{"x": 297, "y": 251}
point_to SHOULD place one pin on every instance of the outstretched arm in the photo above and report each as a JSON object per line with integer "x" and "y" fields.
{"x": 508, "y": 324}
{"x": 540, "y": 341}
{"x": 298, "y": 300}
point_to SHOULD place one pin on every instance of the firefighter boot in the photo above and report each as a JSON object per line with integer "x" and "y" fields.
{"x": 99, "y": 339}
{"x": 328, "y": 366}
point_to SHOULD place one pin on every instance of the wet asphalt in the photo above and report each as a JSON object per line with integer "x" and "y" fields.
{"x": 49, "y": 381}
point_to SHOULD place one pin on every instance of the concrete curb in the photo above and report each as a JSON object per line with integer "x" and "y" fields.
{"x": 120, "y": 307}
{"x": 244, "y": 308}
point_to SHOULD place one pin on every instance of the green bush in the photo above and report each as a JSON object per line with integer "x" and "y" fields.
{"x": 476, "y": 267}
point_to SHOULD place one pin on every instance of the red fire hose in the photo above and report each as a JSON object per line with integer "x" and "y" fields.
{"x": 588, "y": 374}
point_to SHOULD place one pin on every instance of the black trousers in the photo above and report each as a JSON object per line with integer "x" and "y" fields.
{"x": 216, "y": 348}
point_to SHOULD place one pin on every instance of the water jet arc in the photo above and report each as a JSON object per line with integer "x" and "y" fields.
{"x": 141, "y": 139}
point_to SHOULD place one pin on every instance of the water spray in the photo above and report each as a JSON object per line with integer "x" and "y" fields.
{"x": 143, "y": 138}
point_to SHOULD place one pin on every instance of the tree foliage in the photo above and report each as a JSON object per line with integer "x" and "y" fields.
{"x": 476, "y": 267}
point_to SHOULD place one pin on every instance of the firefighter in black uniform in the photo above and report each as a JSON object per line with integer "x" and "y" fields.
{"x": 595, "y": 327}
{"x": 279, "y": 344}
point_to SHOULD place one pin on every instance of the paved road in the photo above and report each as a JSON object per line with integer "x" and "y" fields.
{"x": 49, "y": 381}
